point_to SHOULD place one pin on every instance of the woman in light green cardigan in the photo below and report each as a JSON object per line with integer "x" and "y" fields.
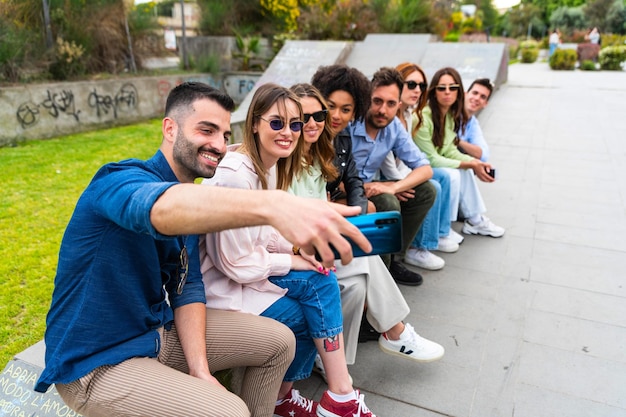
{"x": 437, "y": 138}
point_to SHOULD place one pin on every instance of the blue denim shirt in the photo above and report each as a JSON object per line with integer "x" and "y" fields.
{"x": 369, "y": 154}
{"x": 114, "y": 270}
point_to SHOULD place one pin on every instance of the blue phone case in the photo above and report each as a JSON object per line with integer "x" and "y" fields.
{"x": 383, "y": 230}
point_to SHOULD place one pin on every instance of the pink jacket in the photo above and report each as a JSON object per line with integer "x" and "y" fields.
{"x": 236, "y": 263}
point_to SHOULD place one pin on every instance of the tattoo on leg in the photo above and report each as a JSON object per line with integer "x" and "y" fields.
{"x": 331, "y": 343}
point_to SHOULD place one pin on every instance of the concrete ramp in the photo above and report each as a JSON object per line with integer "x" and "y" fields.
{"x": 296, "y": 62}
{"x": 471, "y": 60}
{"x": 388, "y": 50}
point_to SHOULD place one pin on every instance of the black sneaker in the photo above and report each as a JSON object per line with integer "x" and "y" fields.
{"x": 367, "y": 332}
{"x": 404, "y": 276}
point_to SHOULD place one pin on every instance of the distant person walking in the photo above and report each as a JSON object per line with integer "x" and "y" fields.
{"x": 554, "y": 41}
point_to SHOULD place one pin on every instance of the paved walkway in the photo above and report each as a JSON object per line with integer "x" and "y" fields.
{"x": 534, "y": 323}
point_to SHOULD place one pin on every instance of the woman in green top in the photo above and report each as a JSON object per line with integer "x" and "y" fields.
{"x": 444, "y": 116}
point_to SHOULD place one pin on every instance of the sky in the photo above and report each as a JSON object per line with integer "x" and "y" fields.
{"x": 505, "y": 4}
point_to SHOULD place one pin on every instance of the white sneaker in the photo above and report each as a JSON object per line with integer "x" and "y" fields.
{"x": 447, "y": 244}
{"x": 423, "y": 259}
{"x": 318, "y": 368}
{"x": 485, "y": 228}
{"x": 455, "y": 236}
{"x": 411, "y": 346}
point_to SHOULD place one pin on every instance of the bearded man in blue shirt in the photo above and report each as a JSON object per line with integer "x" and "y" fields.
{"x": 372, "y": 139}
{"x": 128, "y": 332}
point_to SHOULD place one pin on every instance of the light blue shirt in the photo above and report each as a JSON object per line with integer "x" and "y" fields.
{"x": 370, "y": 154}
{"x": 474, "y": 135}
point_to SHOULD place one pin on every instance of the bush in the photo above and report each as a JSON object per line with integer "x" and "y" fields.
{"x": 207, "y": 63}
{"x": 529, "y": 51}
{"x": 575, "y": 36}
{"x": 248, "y": 47}
{"x": 218, "y": 17}
{"x": 15, "y": 45}
{"x": 587, "y": 65}
{"x": 514, "y": 50}
{"x": 348, "y": 20}
{"x": 587, "y": 51}
{"x": 403, "y": 16}
{"x": 612, "y": 57}
{"x": 612, "y": 40}
{"x": 451, "y": 37}
{"x": 563, "y": 59}
{"x": 278, "y": 41}
{"x": 68, "y": 60}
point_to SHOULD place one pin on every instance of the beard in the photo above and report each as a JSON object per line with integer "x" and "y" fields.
{"x": 186, "y": 155}
{"x": 378, "y": 123}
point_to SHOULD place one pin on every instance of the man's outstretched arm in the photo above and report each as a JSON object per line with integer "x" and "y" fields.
{"x": 308, "y": 223}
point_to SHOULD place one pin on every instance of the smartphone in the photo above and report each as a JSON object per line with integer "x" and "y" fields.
{"x": 492, "y": 173}
{"x": 383, "y": 230}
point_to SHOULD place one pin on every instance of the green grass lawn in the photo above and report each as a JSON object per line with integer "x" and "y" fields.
{"x": 41, "y": 182}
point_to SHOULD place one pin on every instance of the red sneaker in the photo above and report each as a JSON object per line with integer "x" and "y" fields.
{"x": 295, "y": 405}
{"x": 331, "y": 408}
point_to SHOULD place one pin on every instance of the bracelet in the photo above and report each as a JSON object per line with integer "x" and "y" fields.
{"x": 295, "y": 250}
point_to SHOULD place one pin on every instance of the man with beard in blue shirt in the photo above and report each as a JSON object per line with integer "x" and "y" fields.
{"x": 128, "y": 332}
{"x": 372, "y": 139}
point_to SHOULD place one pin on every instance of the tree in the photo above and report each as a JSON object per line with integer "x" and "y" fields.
{"x": 404, "y": 16}
{"x": 606, "y": 15}
{"x": 616, "y": 18}
{"x": 94, "y": 35}
{"x": 523, "y": 17}
{"x": 568, "y": 18}
{"x": 285, "y": 12}
{"x": 549, "y": 6}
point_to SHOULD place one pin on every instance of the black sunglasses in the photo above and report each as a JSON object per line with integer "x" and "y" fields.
{"x": 318, "y": 116}
{"x": 412, "y": 84}
{"x": 278, "y": 124}
{"x": 452, "y": 87}
{"x": 183, "y": 270}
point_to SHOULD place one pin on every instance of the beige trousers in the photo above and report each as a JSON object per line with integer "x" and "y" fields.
{"x": 160, "y": 386}
{"x": 369, "y": 281}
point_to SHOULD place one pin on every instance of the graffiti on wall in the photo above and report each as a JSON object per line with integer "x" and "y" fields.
{"x": 104, "y": 104}
{"x": 57, "y": 104}
{"x": 239, "y": 85}
{"x": 54, "y": 104}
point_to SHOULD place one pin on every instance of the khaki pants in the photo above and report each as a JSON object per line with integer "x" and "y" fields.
{"x": 364, "y": 281}
{"x": 160, "y": 386}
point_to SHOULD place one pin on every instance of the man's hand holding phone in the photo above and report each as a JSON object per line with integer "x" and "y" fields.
{"x": 382, "y": 229}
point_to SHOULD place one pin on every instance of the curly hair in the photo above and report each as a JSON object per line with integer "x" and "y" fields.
{"x": 331, "y": 78}
{"x": 405, "y": 69}
{"x": 322, "y": 150}
{"x": 456, "y": 111}
{"x": 286, "y": 168}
